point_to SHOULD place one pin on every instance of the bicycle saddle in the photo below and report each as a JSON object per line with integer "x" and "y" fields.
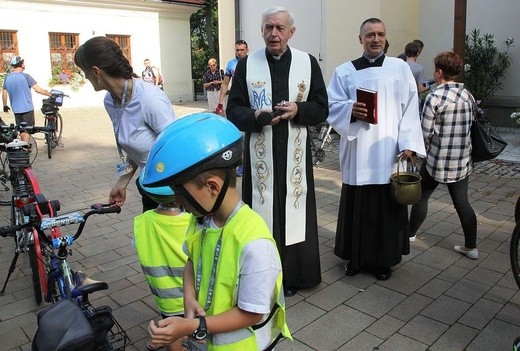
{"x": 86, "y": 285}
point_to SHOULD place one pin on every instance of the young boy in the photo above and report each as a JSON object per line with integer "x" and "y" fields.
{"x": 159, "y": 236}
{"x": 233, "y": 277}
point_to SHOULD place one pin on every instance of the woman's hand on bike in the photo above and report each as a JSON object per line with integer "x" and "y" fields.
{"x": 117, "y": 195}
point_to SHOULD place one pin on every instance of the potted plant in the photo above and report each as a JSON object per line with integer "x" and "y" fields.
{"x": 485, "y": 64}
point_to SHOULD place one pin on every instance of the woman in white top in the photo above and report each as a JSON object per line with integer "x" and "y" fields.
{"x": 139, "y": 111}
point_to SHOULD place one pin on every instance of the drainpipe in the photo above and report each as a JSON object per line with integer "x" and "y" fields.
{"x": 238, "y": 29}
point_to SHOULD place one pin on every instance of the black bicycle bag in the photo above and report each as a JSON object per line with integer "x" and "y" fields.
{"x": 63, "y": 327}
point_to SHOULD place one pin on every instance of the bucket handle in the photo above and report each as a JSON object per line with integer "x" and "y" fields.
{"x": 413, "y": 161}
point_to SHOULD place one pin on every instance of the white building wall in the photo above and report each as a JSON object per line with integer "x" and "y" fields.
{"x": 161, "y": 36}
{"x": 329, "y": 29}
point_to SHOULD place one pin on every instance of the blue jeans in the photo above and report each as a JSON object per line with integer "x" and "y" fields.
{"x": 459, "y": 196}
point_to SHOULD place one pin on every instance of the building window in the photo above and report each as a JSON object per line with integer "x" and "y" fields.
{"x": 124, "y": 43}
{"x": 8, "y": 49}
{"x": 62, "y": 47}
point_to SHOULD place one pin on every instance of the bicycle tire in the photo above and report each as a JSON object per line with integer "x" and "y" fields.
{"x": 35, "y": 271}
{"x": 514, "y": 254}
{"x": 48, "y": 141}
{"x": 33, "y": 149}
{"x": 517, "y": 210}
{"x": 59, "y": 129}
{"x": 6, "y": 190}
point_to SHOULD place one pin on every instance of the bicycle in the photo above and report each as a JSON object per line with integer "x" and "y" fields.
{"x": 514, "y": 246}
{"x": 53, "y": 119}
{"x": 21, "y": 186}
{"x": 318, "y": 152}
{"x": 9, "y": 141}
{"x": 61, "y": 281}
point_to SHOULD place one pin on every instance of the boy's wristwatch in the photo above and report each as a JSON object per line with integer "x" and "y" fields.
{"x": 201, "y": 332}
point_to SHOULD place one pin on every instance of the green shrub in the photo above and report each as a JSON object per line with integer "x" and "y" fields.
{"x": 485, "y": 65}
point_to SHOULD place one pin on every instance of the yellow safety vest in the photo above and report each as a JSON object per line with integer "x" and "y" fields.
{"x": 244, "y": 227}
{"x": 159, "y": 242}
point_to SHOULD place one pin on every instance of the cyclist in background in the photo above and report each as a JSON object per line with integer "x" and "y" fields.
{"x": 138, "y": 110}
{"x": 17, "y": 85}
{"x": 159, "y": 235}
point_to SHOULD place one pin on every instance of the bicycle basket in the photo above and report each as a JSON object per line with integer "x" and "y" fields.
{"x": 47, "y": 106}
{"x": 58, "y": 97}
{"x": 109, "y": 333}
{"x": 18, "y": 158}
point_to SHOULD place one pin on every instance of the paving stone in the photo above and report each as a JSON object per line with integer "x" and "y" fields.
{"x": 410, "y": 307}
{"x": 435, "y": 288}
{"x": 385, "y": 327}
{"x": 410, "y": 277}
{"x": 423, "y": 329}
{"x": 332, "y": 295}
{"x": 376, "y": 300}
{"x": 363, "y": 341}
{"x": 335, "y": 329}
{"x": 436, "y": 258}
{"x": 456, "y": 338}
{"x": 402, "y": 343}
{"x": 446, "y": 309}
{"x": 301, "y": 315}
{"x": 480, "y": 314}
{"x": 467, "y": 290}
{"x": 497, "y": 335}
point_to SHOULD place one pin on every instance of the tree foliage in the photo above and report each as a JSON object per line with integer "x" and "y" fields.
{"x": 485, "y": 65}
{"x": 204, "y": 39}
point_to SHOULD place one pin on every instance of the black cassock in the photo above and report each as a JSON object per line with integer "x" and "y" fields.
{"x": 300, "y": 262}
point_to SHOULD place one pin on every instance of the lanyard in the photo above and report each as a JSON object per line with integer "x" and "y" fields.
{"x": 119, "y": 117}
{"x": 216, "y": 255}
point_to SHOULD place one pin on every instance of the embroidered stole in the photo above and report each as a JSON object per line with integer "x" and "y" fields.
{"x": 261, "y": 145}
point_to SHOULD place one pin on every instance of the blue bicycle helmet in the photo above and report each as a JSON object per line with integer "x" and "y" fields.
{"x": 190, "y": 146}
{"x": 162, "y": 194}
{"x": 16, "y": 61}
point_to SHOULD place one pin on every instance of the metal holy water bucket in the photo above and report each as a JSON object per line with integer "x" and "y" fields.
{"x": 405, "y": 186}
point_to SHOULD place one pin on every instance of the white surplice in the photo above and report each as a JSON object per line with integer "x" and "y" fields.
{"x": 368, "y": 152}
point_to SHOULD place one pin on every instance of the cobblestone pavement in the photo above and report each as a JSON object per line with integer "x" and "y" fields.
{"x": 435, "y": 299}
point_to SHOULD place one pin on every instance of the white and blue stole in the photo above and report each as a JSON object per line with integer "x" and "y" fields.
{"x": 261, "y": 145}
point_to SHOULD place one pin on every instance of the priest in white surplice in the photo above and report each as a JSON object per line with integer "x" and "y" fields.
{"x": 278, "y": 178}
{"x": 372, "y": 230}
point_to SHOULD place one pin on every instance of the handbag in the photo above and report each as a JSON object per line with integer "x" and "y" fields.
{"x": 486, "y": 144}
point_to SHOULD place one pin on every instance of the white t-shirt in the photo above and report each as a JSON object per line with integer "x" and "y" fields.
{"x": 259, "y": 265}
{"x": 147, "y": 114}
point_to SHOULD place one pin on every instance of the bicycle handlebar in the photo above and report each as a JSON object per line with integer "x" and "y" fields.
{"x": 41, "y": 224}
{"x": 22, "y": 127}
{"x": 10, "y": 230}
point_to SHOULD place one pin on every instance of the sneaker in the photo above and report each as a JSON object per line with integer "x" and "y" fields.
{"x": 240, "y": 171}
{"x": 470, "y": 253}
{"x": 412, "y": 238}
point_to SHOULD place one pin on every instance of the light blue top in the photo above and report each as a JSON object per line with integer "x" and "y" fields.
{"x": 230, "y": 68}
{"x": 147, "y": 114}
{"x": 18, "y": 85}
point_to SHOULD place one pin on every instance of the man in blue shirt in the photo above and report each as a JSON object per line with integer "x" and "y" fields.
{"x": 17, "y": 85}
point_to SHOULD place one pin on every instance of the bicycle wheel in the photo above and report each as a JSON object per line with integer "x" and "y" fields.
{"x": 6, "y": 190}
{"x": 514, "y": 255}
{"x": 517, "y": 210}
{"x": 48, "y": 141}
{"x": 33, "y": 149}
{"x": 59, "y": 129}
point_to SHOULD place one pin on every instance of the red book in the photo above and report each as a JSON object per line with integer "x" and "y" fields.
{"x": 369, "y": 98}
